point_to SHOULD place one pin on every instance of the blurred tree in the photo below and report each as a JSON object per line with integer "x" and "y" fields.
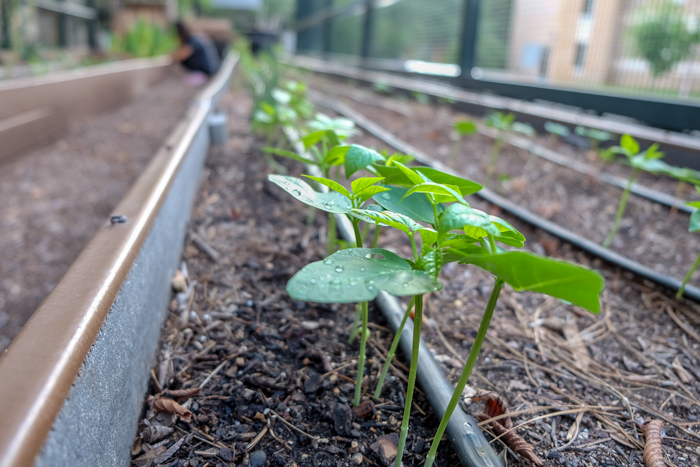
{"x": 664, "y": 35}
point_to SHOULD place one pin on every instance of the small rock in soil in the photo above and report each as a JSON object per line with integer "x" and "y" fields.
{"x": 313, "y": 383}
{"x": 342, "y": 416}
{"x": 258, "y": 458}
{"x": 386, "y": 448}
{"x": 228, "y": 454}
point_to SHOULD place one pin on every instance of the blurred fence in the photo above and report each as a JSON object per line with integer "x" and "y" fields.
{"x": 648, "y": 48}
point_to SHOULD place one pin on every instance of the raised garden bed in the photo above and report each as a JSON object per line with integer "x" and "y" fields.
{"x": 251, "y": 348}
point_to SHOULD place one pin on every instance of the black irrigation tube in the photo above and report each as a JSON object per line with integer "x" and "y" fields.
{"x": 617, "y": 259}
{"x": 463, "y": 430}
{"x": 553, "y": 156}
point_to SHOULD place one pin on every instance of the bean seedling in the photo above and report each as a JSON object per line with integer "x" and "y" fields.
{"x": 694, "y": 226}
{"x": 648, "y": 161}
{"x": 503, "y": 123}
{"x": 556, "y": 130}
{"x": 462, "y": 128}
{"x": 594, "y": 137}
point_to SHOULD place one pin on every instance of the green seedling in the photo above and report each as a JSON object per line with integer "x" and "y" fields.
{"x": 648, "y": 161}
{"x": 503, "y": 123}
{"x": 694, "y": 226}
{"x": 462, "y": 128}
{"x": 556, "y": 130}
{"x": 594, "y": 137}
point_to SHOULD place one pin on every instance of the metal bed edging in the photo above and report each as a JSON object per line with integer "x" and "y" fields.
{"x": 44, "y": 367}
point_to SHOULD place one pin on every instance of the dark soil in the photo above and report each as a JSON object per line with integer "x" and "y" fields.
{"x": 580, "y": 384}
{"x": 267, "y": 359}
{"x": 648, "y": 234}
{"x": 55, "y": 199}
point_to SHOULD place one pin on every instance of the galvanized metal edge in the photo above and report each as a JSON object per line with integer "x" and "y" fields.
{"x": 41, "y": 365}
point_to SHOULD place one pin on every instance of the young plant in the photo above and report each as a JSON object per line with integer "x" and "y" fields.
{"x": 594, "y": 137}
{"x": 556, "y": 131}
{"x": 648, "y": 161}
{"x": 694, "y": 226}
{"x": 462, "y": 128}
{"x": 503, "y": 123}
{"x": 340, "y": 200}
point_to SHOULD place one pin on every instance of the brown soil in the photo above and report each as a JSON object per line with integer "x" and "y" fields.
{"x": 54, "y": 199}
{"x": 635, "y": 362}
{"x": 648, "y": 233}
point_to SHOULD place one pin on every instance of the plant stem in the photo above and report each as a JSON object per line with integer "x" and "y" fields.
{"x": 411, "y": 379}
{"x": 679, "y": 192}
{"x": 392, "y": 350}
{"x": 495, "y": 151}
{"x": 363, "y": 335}
{"x": 354, "y": 330}
{"x": 377, "y": 232}
{"x": 332, "y": 235}
{"x": 621, "y": 208}
{"x": 466, "y": 372}
{"x": 687, "y": 277}
{"x": 311, "y": 216}
{"x": 361, "y": 357}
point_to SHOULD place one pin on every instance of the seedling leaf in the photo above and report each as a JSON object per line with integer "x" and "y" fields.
{"x": 444, "y": 193}
{"x": 358, "y": 157}
{"x": 392, "y": 219}
{"x": 416, "y": 206}
{"x": 465, "y": 127}
{"x": 364, "y": 182}
{"x": 559, "y": 279}
{"x": 476, "y": 224}
{"x": 352, "y": 275}
{"x": 330, "y": 202}
{"x": 630, "y": 144}
{"x": 694, "y": 225}
{"x": 332, "y": 184}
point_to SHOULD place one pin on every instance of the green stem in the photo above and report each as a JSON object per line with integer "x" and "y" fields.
{"x": 355, "y": 329}
{"x": 687, "y": 277}
{"x": 621, "y": 208}
{"x": 377, "y": 232}
{"x": 456, "y": 146}
{"x": 495, "y": 151}
{"x": 413, "y": 246}
{"x": 392, "y": 350}
{"x": 332, "y": 235}
{"x": 411, "y": 379}
{"x": 492, "y": 244}
{"x": 365, "y": 233}
{"x": 363, "y": 335}
{"x": 466, "y": 372}
{"x": 361, "y": 357}
{"x": 311, "y": 216}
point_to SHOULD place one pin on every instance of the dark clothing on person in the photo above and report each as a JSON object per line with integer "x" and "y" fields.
{"x": 204, "y": 57}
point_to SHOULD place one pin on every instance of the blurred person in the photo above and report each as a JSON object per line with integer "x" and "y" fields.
{"x": 197, "y": 54}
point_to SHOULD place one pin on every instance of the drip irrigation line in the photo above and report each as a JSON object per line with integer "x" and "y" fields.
{"x": 553, "y": 156}
{"x": 617, "y": 259}
{"x": 463, "y": 430}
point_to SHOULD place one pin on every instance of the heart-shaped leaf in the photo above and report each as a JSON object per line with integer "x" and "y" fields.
{"x": 629, "y": 143}
{"x": 353, "y": 275}
{"x": 330, "y": 202}
{"x": 559, "y": 279}
{"x": 358, "y": 157}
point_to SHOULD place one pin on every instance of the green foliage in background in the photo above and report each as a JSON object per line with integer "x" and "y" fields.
{"x": 145, "y": 39}
{"x": 663, "y": 35}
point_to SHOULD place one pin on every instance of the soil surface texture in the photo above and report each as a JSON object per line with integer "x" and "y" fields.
{"x": 649, "y": 232}
{"x": 276, "y": 375}
{"x": 54, "y": 199}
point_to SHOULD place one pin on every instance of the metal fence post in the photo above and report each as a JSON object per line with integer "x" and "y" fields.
{"x": 367, "y": 27}
{"x": 327, "y": 29}
{"x": 470, "y": 25}
{"x": 6, "y": 35}
{"x": 62, "y": 27}
{"x": 92, "y": 27}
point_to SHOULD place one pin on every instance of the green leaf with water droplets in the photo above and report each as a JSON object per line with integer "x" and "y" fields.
{"x": 353, "y": 275}
{"x": 559, "y": 279}
{"x": 392, "y": 219}
{"x": 332, "y": 184}
{"x": 416, "y": 206}
{"x": 431, "y": 261}
{"x": 475, "y": 223}
{"x": 330, "y": 202}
